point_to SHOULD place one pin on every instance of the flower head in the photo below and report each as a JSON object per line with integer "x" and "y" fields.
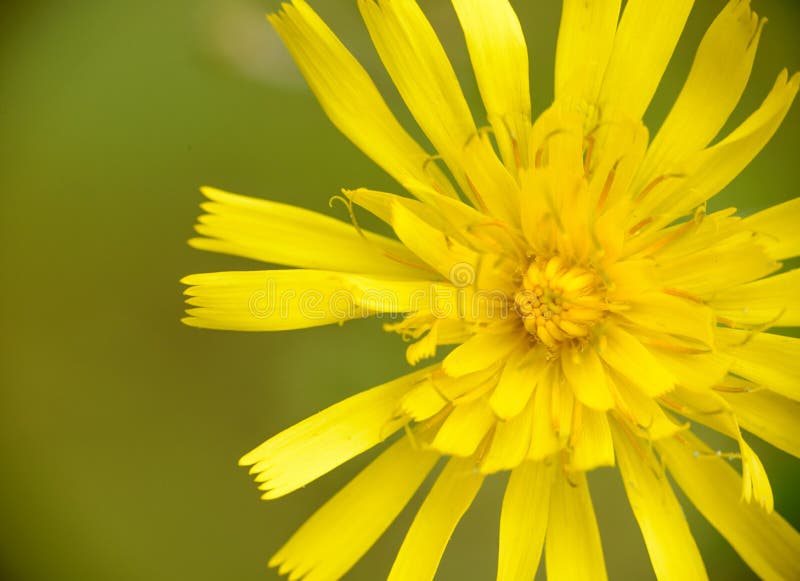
{"x": 596, "y": 309}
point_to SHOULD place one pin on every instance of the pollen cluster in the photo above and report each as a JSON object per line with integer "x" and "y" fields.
{"x": 560, "y": 303}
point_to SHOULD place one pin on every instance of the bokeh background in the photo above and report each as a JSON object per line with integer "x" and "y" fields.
{"x": 120, "y": 427}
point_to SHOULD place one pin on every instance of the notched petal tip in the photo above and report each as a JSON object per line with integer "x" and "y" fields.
{"x": 276, "y": 561}
{"x": 280, "y": 12}
{"x": 196, "y": 242}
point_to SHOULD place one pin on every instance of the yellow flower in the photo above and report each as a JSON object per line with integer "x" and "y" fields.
{"x": 597, "y": 310}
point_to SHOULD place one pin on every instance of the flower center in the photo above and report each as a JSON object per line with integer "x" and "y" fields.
{"x": 560, "y": 303}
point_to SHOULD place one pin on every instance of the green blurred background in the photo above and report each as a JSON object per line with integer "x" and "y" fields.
{"x": 120, "y": 427}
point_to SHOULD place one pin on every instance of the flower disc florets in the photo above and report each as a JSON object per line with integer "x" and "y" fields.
{"x": 560, "y": 303}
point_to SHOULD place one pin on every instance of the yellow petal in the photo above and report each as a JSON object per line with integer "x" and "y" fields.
{"x": 458, "y": 220}
{"x": 451, "y": 217}
{"x": 643, "y": 413}
{"x": 435, "y": 522}
{"x": 712, "y": 410}
{"x": 556, "y": 142}
{"x": 422, "y": 402}
{"x": 728, "y": 262}
{"x": 774, "y": 300}
{"x": 688, "y": 237}
{"x": 573, "y": 550}
{"x": 359, "y": 513}
{"x": 425, "y": 347}
{"x": 707, "y": 408}
{"x": 500, "y": 59}
{"x": 292, "y": 236}
{"x": 479, "y": 230}
{"x": 716, "y": 82}
{"x": 381, "y": 203}
{"x": 714, "y": 169}
{"x": 696, "y": 372}
{"x": 585, "y": 40}
{"x": 544, "y": 437}
{"x": 755, "y": 483}
{"x": 586, "y": 375}
{"x": 350, "y": 98}
{"x": 466, "y": 387}
{"x": 615, "y": 151}
{"x": 483, "y": 350}
{"x": 518, "y": 380}
{"x": 464, "y": 429}
{"x": 329, "y": 438}
{"x": 491, "y": 184}
{"x": 630, "y": 358}
{"x": 673, "y": 315}
{"x": 563, "y": 409}
{"x": 777, "y": 229}
{"x": 710, "y": 170}
{"x": 766, "y": 359}
{"x": 673, "y": 551}
{"x": 592, "y": 445}
{"x": 770, "y": 416}
{"x": 765, "y": 541}
{"x": 278, "y": 300}
{"x": 432, "y": 245}
{"x": 523, "y": 521}
{"x": 510, "y": 443}
{"x": 646, "y": 37}
{"x": 632, "y": 278}
{"x": 419, "y": 67}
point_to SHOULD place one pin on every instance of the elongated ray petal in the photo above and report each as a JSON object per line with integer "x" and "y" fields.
{"x": 774, "y": 300}
{"x": 350, "y": 98}
{"x": 585, "y": 41}
{"x": 647, "y": 35}
{"x": 419, "y": 67}
{"x": 587, "y": 377}
{"x": 770, "y": 416}
{"x": 288, "y": 235}
{"x": 777, "y": 229}
{"x": 279, "y": 300}
{"x": 716, "y": 82}
{"x": 464, "y": 429}
{"x": 449, "y": 499}
{"x": 705, "y": 174}
{"x": 322, "y": 442}
{"x": 510, "y": 443}
{"x": 360, "y": 513}
{"x": 765, "y": 541}
{"x": 573, "y": 549}
{"x": 766, "y": 359}
{"x": 523, "y": 522}
{"x": 500, "y": 60}
{"x": 672, "y": 548}
{"x": 480, "y": 352}
{"x": 519, "y": 378}
{"x": 591, "y": 440}
{"x": 630, "y": 358}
